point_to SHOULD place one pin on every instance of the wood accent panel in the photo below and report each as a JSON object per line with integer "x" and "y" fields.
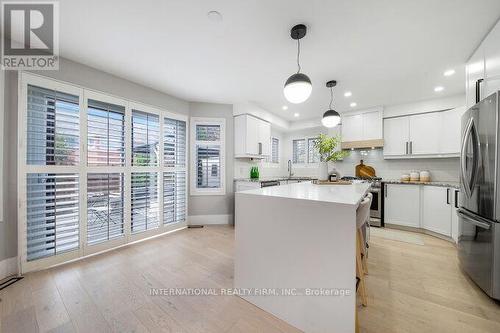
{"x": 362, "y": 144}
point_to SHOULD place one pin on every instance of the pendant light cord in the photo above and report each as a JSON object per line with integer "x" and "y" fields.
{"x": 331, "y": 97}
{"x": 298, "y": 55}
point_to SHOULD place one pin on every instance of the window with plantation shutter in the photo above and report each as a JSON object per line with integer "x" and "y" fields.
{"x": 52, "y": 216}
{"x": 174, "y": 142}
{"x": 53, "y": 127}
{"x": 274, "y": 157}
{"x": 299, "y": 151}
{"x": 105, "y": 134}
{"x": 105, "y": 204}
{"x": 312, "y": 151}
{"x": 145, "y": 201}
{"x": 145, "y": 138}
{"x": 208, "y": 161}
{"x": 174, "y": 197}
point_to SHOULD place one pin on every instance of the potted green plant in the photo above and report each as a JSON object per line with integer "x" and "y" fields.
{"x": 328, "y": 152}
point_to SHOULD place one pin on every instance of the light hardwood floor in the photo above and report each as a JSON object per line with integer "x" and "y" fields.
{"x": 411, "y": 288}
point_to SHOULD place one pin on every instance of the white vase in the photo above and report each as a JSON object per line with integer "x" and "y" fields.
{"x": 323, "y": 171}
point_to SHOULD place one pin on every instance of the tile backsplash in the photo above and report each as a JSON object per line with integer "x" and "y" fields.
{"x": 441, "y": 169}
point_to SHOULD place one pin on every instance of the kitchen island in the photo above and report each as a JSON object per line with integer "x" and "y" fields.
{"x": 295, "y": 253}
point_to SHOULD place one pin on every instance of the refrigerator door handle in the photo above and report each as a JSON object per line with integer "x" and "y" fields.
{"x": 463, "y": 157}
{"x": 476, "y": 220}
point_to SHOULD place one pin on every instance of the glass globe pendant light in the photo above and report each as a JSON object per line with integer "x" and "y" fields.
{"x": 331, "y": 118}
{"x": 298, "y": 87}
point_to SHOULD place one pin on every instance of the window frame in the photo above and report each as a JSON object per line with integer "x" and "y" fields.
{"x": 309, "y": 139}
{"x": 306, "y": 164}
{"x": 82, "y": 169}
{"x": 194, "y": 190}
{"x": 269, "y": 160}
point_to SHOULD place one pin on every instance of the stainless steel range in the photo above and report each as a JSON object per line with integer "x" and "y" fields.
{"x": 376, "y": 207}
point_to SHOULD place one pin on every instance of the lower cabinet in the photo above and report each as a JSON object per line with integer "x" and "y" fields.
{"x": 436, "y": 209}
{"x": 432, "y": 208}
{"x": 402, "y": 205}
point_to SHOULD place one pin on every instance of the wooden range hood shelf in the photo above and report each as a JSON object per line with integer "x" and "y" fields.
{"x": 362, "y": 144}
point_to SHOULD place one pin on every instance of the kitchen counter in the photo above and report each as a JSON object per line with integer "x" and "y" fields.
{"x": 266, "y": 179}
{"x": 432, "y": 183}
{"x": 339, "y": 194}
{"x": 301, "y": 237}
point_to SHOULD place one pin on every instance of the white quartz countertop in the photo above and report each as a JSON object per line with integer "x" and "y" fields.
{"x": 340, "y": 194}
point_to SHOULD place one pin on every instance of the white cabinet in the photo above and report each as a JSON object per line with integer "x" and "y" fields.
{"x": 425, "y": 132}
{"x": 252, "y": 137}
{"x": 402, "y": 205}
{"x": 491, "y": 46}
{"x": 242, "y": 185}
{"x": 372, "y": 125}
{"x": 474, "y": 70}
{"x": 362, "y": 129}
{"x": 427, "y": 135}
{"x": 436, "y": 209}
{"x": 352, "y": 128}
{"x": 396, "y": 136}
{"x": 432, "y": 208}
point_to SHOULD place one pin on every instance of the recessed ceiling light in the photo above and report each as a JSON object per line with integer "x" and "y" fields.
{"x": 284, "y": 107}
{"x": 353, "y": 104}
{"x": 347, "y": 94}
{"x": 296, "y": 114}
{"x": 214, "y": 16}
{"x": 439, "y": 88}
{"x": 449, "y": 72}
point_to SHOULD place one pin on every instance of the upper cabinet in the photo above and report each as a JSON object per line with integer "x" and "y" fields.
{"x": 433, "y": 134}
{"x": 362, "y": 129}
{"x": 484, "y": 64}
{"x": 252, "y": 137}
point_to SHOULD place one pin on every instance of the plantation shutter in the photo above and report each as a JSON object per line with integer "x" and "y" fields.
{"x": 105, "y": 204}
{"x": 174, "y": 197}
{"x": 174, "y": 134}
{"x": 52, "y": 214}
{"x": 299, "y": 151}
{"x": 106, "y": 134}
{"x": 53, "y": 127}
{"x": 145, "y": 201}
{"x": 312, "y": 151}
{"x": 145, "y": 138}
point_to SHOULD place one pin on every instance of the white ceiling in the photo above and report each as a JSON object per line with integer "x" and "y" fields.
{"x": 384, "y": 51}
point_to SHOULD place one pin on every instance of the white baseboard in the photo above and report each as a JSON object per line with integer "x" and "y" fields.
{"x": 210, "y": 219}
{"x": 8, "y": 267}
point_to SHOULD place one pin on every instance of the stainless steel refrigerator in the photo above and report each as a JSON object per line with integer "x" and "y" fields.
{"x": 479, "y": 212}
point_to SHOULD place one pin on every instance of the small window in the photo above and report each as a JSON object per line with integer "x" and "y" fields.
{"x": 208, "y": 156}
{"x": 299, "y": 151}
{"x": 312, "y": 151}
{"x": 275, "y": 146}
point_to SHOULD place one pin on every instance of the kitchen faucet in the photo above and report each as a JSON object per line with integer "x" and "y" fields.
{"x": 290, "y": 173}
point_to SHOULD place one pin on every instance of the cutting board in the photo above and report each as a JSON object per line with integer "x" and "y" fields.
{"x": 364, "y": 171}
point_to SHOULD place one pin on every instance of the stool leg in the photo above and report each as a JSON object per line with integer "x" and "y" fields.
{"x": 356, "y": 320}
{"x": 360, "y": 275}
{"x": 362, "y": 249}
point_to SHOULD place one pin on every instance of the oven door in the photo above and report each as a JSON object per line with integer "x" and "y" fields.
{"x": 376, "y": 206}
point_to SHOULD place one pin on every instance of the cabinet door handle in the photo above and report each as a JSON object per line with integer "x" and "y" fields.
{"x": 411, "y": 147}
{"x": 447, "y": 196}
{"x": 406, "y": 148}
{"x": 260, "y": 148}
{"x": 456, "y": 198}
{"x": 478, "y": 90}
{"x": 385, "y": 190}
